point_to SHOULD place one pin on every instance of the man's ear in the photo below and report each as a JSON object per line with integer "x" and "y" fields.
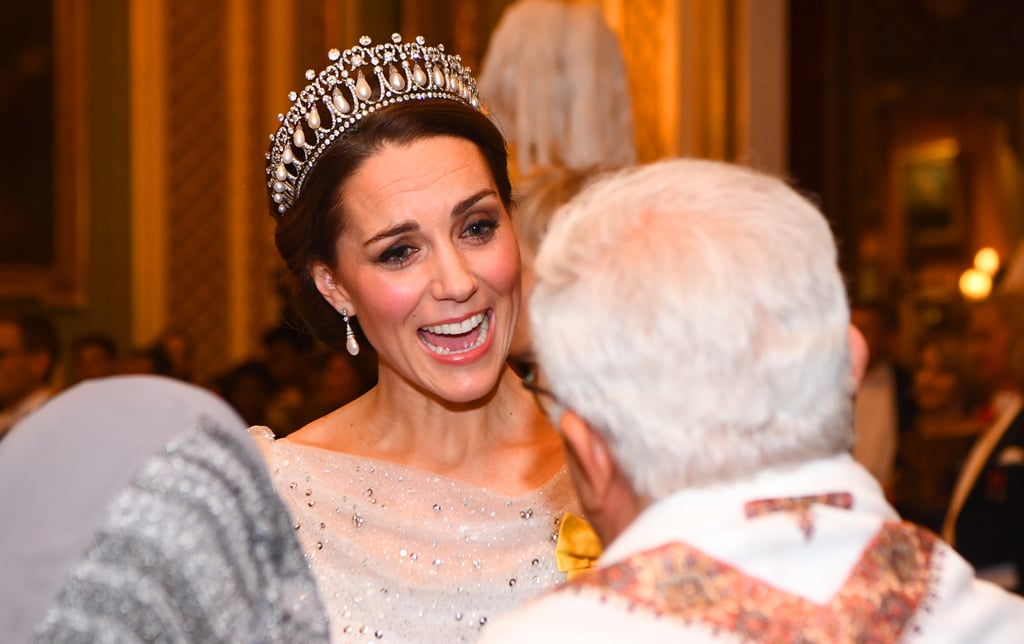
{"x": 331, "y": 290}
{"x": 594, "y": 468}
{"x": 859, "y": 354}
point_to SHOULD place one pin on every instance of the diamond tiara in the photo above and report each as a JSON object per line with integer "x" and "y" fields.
{"x": 338, "y": 98}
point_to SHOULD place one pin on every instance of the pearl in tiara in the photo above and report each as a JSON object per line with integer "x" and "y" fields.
{"x": 357, "y": 82}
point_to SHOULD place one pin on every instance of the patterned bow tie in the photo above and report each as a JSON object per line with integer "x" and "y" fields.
{"x": 799, "y": 507}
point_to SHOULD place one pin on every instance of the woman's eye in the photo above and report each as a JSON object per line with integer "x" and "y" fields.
{"x": 480, "y": 229}
{"x": 396, "y": 255}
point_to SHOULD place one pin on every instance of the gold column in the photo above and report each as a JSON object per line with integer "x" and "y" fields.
{"x": 341, "y": 23}
{"x": 148, "y": 169}
{"x": 241, "y": 155}
{"x": 708, "y": 77}
{"x": 71, "y": 194}
{"x": 645, "y": 33}
{"x": 762, "y": 84}
{"x": 677, "y": 52}
{"x": 278, "y": 78}
{"x": 279, "y": 58}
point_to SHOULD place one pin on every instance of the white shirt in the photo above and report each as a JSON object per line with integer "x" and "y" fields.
{"x": 808, "y": 563}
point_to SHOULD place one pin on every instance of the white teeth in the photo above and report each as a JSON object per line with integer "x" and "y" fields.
{"x": 480, "y": 339}
{"x": 458, "y": 328}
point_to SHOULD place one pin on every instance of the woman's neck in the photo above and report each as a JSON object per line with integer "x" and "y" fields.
{"x": 503, "y": 442}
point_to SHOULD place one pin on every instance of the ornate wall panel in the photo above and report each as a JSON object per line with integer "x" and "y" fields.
{"x": 148, "y": 169}
{"x": 199, "y": 125}
{"x": 707, "y": 77}
{"x": 204, "y": 95}
{"x": 644, "y": 39}
{"x": 44, "y": 104}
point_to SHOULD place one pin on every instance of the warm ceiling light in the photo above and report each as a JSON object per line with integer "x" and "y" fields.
{"x": 987, "y": 261}
{"x": 975, "y": 284}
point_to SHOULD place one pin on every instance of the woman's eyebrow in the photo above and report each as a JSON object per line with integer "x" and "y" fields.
{"x": 411, "y": 226}
{"x": 397, "y": 229}
{"x": 467, "y": 203}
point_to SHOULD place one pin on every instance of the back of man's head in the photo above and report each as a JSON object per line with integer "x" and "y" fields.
{"x": 693, "y": 313}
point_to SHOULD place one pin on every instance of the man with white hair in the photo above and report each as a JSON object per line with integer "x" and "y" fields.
{"x": 692, "y": 329}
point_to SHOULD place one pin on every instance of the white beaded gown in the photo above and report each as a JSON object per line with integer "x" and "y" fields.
{"x": 403, "y": 555}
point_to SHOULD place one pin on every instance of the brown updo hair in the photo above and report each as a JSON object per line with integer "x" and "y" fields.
{"x": 307, "y": 233}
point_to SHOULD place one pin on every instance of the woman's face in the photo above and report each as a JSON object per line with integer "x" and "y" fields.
{"x": 935, "y": 386}
{"x": 429, "y": 263}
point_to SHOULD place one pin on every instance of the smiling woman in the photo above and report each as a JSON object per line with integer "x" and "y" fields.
{"x": 429, "y": 504}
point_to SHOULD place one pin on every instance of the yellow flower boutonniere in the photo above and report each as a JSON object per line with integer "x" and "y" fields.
{"x": 578, "y": 546}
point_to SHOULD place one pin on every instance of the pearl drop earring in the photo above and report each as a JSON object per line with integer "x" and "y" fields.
{"x": 351, "y": 344}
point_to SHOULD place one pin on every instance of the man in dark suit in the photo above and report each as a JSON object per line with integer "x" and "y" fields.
{"x": 985, "y": 522}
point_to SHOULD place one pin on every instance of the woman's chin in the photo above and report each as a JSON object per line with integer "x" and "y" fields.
{"x": 471, "y": 387}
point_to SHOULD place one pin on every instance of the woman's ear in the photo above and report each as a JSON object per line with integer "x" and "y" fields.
{"x": 331, "y": 290}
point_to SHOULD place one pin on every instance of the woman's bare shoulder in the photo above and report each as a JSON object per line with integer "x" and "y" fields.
{"x": 334, "y": 431}
{"x": 261, "y": 433}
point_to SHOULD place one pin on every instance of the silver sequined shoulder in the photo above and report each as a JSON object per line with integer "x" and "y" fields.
{"x": 198, "y": 548}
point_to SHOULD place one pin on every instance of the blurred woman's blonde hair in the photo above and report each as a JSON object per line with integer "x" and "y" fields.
{"x": 541, "y": 193}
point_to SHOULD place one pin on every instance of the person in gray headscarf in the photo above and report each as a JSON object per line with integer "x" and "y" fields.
{"x": 556, "y": 83}
{"x": 135, "y": 508}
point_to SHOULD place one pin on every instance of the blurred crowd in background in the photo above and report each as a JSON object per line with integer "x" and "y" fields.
{"x": 916, "y": 419}
{"x": 293, "y": 380}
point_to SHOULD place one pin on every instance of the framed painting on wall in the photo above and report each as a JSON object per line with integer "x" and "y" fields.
{"x": 932, "y": 200}
{"x": 43, "y": 212}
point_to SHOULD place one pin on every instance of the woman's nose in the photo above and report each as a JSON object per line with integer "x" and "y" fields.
{"x": 454, "y": 278}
